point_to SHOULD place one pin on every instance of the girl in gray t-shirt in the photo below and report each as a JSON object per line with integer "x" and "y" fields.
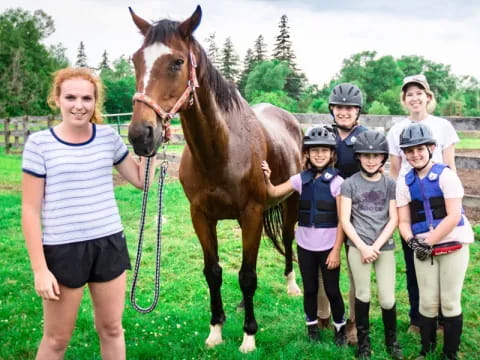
{"x": 369, "y": 218}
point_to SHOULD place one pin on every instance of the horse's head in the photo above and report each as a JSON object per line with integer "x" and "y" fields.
{"x": 166, "y": 78}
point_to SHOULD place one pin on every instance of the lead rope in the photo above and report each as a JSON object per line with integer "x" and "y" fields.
{"x": 161, "y": 180}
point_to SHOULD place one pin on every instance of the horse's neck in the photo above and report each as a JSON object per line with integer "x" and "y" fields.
{"x": 207, "y": 130}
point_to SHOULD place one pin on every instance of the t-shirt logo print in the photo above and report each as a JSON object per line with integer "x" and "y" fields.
{"x": 372, "y": 200}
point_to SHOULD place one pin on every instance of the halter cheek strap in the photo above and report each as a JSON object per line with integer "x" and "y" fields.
{"x": 189, "y": 92}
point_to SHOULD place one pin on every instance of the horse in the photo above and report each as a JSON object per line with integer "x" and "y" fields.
{"x": 220, "y": 171}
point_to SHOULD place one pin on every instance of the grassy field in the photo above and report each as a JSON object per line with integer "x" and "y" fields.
{"x": 178, "y": 327}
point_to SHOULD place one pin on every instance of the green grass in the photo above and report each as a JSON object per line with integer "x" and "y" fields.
{"x": 179, "y": 326}
{"x": 468, "y": 141}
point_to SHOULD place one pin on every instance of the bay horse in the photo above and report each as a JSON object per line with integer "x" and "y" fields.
{"x": 226, "y": 141}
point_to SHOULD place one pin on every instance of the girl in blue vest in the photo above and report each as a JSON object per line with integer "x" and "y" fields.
{"x": 319, "y": 236}
{"x": 431, "y": 219}
{"x": 369, "y": 218}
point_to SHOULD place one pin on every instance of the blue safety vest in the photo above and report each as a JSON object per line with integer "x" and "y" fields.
{"x": 317, "y": 205}
{"x": 346, "y": 163}
{"x": 427, "y": 206}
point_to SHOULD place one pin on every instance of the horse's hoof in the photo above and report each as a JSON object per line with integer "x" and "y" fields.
{"x": 292, "y": 287}
{"x": 294, "y": 290}
{"x": 248, "y": 343}
{"x": 215, "y": 336}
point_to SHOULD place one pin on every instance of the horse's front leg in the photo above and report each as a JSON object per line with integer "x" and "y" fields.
{"x": 288, "y": 233}
{"x": 251, "y": 222}
{"x": 207, "y": 234}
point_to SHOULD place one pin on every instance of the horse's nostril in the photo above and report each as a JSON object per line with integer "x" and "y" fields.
{"x": 148, "y": 134}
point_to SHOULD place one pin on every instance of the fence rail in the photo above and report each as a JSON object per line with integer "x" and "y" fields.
{"x": 16, "y": 130}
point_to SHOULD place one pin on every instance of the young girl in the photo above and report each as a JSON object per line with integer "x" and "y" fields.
{"x": 369, "y": 218}
{"x": 417, "y": 98}
{"x": 319, "y": 237}
{"x": 70, "y": 218}
{"x": 345, "y": 103}
{"x": 431, "y": 219}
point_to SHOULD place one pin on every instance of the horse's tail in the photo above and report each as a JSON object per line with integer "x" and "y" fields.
{"x": 273, "y": 226}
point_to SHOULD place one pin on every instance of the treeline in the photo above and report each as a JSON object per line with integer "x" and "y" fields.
{"x": 26, "y": 65}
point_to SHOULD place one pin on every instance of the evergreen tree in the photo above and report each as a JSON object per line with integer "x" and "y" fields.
{"x": 260, "y": 49}
{"x": 229, "y": 62}
{"x": 104, "y": 64}
{"x": 212, "y": 50}
{"x": 283, "y": 46}
{"x": 248, "y": 65}
{"x": 81, "y": 56}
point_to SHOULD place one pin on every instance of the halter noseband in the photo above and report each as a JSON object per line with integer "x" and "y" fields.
{"x": 167, "y": 116}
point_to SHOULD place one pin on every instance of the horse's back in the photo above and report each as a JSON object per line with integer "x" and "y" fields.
{"x": 284, "y": 139}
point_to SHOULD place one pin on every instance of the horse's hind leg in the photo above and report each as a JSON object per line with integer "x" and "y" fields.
{"x": 289, "y": 220}
{"x": 207, "y": 234}
{"x": 252, "y": 224}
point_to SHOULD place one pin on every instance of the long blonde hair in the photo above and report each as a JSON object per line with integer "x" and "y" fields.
{"x": 86, "y": 74}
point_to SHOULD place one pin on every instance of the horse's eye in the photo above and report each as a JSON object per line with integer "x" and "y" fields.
{"x": 179, "y": 62}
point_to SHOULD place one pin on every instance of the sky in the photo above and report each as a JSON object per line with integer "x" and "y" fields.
{"x": 323, "y": 32}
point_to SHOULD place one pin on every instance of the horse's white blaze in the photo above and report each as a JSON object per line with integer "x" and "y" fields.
{"x": 215, "y": 336}
{"x": 292, "y": 287}
{"x": 151, "y": 54}
{"x": 248, "y": 343}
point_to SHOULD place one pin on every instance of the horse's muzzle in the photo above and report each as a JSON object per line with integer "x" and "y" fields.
{"x": 144, "y": 139}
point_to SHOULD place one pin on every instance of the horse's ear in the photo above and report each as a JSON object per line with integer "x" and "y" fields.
{"x": 142, "y": 24}
{"x": 190, "y": 25}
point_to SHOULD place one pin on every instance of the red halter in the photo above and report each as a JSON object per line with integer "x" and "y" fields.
{"x": 167, "y": 116}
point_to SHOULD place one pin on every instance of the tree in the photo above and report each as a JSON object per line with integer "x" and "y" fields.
{"x": 81, "y": 56}
{"x": 267, "y": 76}
{"x": 378, "y": 108}
{"x": 119, "y": 85}
{"x": 229, "y": 62}
{"x": 283, "y": 52}
{"x": 259, "y": 49}
{"x": 26, "y": 64}
{"x": 212, "y": 50}
{"x": 104, "y": 63}
{"x": 248, "y": 65}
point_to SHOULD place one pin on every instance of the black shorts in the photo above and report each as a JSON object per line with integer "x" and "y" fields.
{"x": 97, "y": 260}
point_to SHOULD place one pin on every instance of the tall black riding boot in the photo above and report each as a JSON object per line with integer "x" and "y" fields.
{"x": 313, "y": 333}
{"x": 363, "y": 327}
{"x": 452, "y": 331}
{"x": 428, "y": 334}
{"x": 390, "y": 326}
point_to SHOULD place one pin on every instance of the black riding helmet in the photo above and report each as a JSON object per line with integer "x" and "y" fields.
{"x": 371, "y": 142}
{"x": 345, "y": 94}
{"x": 319, "y": 136}
{"x": 416, "y": 134}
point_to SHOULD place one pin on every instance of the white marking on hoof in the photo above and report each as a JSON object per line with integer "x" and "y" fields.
{"x": 292, "y": 287}
{"x": 215, "y": 336}
{"x": 248, "y": 343}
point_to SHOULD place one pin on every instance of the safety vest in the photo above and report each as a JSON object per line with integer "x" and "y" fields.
{"x": 427, "y": 206}
{"x": 346, "y": 161}
{"x": 317, "y": 205}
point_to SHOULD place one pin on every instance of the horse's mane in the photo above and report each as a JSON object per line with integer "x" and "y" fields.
{"x": 225, "y": 92}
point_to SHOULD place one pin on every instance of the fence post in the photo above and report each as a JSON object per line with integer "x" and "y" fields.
{"x": 26, "y": 131}
{"x": 6, "y": 126}
{"x": 49, "y": 121}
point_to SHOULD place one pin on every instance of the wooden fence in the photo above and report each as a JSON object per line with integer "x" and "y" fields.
{"x": 17, "y": 129}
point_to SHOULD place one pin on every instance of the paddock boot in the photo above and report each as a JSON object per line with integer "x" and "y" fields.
{"x": 363, "y": 328}
{"x": 389, "y": 318}
{"x": 313, "y": 333}
{"x": 339, "y": 334}
{"x": 452, "y": 327}
{"x": 428, "y": 335}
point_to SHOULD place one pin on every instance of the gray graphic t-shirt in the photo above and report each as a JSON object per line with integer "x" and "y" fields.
{"x": 370, "y": 206}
